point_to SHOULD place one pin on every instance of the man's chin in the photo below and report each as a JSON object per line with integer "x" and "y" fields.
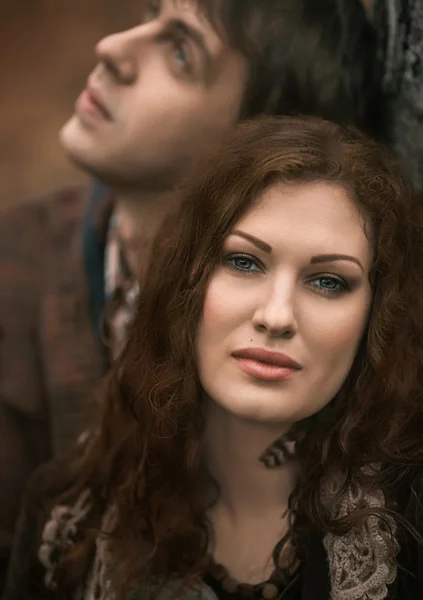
{"x": 72, "y": 136}
{"x": 99, "y": 169}
{"x": 100, "y": 161}
{"x": 79, "y": 146}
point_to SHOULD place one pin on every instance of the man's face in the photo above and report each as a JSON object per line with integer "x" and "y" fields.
{"x": 162, "y": 93}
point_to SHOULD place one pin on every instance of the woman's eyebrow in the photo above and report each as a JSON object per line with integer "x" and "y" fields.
{"x": 321, "y": 258}
{"x": 256, "y": 241}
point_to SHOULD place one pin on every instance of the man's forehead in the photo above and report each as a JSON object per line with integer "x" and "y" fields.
{"x": 203, "y": 13}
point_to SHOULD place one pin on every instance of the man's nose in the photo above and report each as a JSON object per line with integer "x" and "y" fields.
{"x": 120, "y": 54}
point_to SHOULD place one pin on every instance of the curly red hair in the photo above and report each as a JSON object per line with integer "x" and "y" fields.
{"x": 147, "y": 459}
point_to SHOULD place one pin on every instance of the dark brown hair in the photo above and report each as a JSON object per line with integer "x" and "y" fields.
{"x": 307, "y": 57}
{"x": 147, "y": 461}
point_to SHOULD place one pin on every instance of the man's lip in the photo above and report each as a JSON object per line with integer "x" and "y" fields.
{"x": 268, "y": 357}
{"x": 96, "y": 97}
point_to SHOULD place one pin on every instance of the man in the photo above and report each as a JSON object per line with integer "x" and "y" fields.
{"x": 161, "y": 95}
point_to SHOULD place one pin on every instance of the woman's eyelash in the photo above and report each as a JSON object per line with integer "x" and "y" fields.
{"x": 329, "y": 285}
{"x": 243, "y": 263}
{"x": 331, "y": 281}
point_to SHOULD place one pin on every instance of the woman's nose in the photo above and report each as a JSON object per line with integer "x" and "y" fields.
{"x": 275, "y": 313}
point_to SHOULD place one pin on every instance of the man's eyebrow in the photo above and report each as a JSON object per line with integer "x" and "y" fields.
{"x": 321, "y": 258}
{"x": 256, "y": 241}
{"x": 197, "y": 37}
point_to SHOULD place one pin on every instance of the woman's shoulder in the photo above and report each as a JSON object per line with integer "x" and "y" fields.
{"x": 45, "y": 486}
{"x": 409, "y": 582}
{"x": 169, "y": 591}
{"x": 410, "y": 494}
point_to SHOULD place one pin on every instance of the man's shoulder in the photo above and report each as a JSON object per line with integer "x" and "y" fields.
{"x": 44, "y": 215}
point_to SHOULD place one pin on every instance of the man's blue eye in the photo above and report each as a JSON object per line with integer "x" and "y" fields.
{"x": 180, "y": 55}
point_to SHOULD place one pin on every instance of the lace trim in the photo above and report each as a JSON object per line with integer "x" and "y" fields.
{"x": 60, "y": 534}
{"x": 362, "y": 562}
{"x": 98, "y": 586}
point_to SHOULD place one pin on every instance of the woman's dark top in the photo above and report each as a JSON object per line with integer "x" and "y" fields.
{"x": 315, "y": 581}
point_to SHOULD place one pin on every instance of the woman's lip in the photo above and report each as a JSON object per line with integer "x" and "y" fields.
{"x": 264, "y": 371}
{"x": 267, "y": 356}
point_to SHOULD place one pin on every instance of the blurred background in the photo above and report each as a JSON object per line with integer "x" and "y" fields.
{"x": 46, "y": 54}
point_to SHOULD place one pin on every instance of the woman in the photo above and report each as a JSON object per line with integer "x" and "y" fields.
{"x": 262, "y": 431}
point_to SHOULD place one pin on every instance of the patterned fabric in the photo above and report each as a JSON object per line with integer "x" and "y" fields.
{"x": 121, "y": 289}
{"x": 26, "y": 573}
{"x": 50, "y": 355}
{"x": 361, "y": 563}
{"x": 400, "y": 28}
{"x": 60, "y": 533}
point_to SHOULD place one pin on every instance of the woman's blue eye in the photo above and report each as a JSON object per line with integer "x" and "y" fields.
{"x": 330, "y": 285}
{"x": 242, "y": 263}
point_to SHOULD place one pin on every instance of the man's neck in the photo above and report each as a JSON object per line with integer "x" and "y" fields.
{"x": 246, "y": 486}
{"x": 140, "y": 217}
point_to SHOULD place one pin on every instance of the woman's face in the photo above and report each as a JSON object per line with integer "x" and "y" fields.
{"x": 287, "y": 307}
